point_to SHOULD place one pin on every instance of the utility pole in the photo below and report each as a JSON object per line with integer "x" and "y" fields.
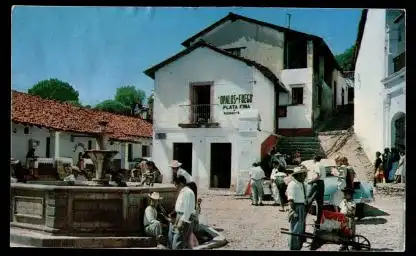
{"x": 287, "y": 41}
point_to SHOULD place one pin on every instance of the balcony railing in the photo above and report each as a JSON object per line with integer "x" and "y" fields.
{"x": 399, "y": 62}
{"x": 197, "y": 115}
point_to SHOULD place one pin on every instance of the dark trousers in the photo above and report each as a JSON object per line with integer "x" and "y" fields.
{"x": 319, "y": 208}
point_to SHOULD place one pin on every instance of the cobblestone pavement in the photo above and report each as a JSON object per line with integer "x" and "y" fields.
{"x": 258, "y": 228}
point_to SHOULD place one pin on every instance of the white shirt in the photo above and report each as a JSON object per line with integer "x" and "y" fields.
{"x": 276, "y": 173}
{"x": 320, "y": 168}
{"x": 185, "y": 204}
{"x": 150, "y": 216}
{"x": 296, "y": 192}
{"x": 185, "y": 174}
{"x": 257, "y": 174}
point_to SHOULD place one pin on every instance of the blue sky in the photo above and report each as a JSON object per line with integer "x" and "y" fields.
{"x": 97, "y": 49}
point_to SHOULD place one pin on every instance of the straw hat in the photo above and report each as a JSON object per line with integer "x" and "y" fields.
{"x": 175, "y": 164}
{"x": 155, "y": 196}
{"x": 75, "y": 168}
{"x": 298, "y": 170}
{"x": 256, "y": 168}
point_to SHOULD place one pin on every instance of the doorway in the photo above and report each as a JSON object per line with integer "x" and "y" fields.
{"x": 335, "y": 95}
{"x": 200, "y": 103}
{"x": 183, "y": 153}
{"x": 342, "y": 97}
{"x": 220, "y": 165}
{"x": 398, "y": 130}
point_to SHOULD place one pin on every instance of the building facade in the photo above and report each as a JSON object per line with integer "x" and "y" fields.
{"x": 380, "y": 86}
{"x": 60, "y": 130}
{"x": 236, "y": 64}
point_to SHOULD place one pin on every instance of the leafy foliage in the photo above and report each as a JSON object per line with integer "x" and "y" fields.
{"x": 346, "y": 59}
{"x": 130, "y": 96}
{"x": 113, "y": 106}
{"x": 55, "y": 89}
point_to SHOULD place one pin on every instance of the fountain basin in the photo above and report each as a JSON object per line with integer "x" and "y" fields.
{"x": 81, "y": 212}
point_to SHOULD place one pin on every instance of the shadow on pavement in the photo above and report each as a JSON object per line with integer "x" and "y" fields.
{"x": 371, "y": 221}
{"x": 381, "y": 250}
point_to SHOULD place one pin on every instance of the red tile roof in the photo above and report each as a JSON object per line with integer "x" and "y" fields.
{"x": 33, "y": 110}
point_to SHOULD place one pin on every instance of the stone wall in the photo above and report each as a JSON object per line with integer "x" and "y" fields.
{"x": 76, "y": 209}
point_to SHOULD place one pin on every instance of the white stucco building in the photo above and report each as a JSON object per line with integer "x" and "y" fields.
{"x": 290, "y": 78}
{"x": 62, "y": 130}
{"x": 380, "y": 80}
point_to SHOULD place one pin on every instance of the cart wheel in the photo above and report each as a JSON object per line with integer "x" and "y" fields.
{"x": 360, "y": 243}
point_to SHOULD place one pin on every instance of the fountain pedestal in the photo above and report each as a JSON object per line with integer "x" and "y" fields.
{"x": 100, "y": 158}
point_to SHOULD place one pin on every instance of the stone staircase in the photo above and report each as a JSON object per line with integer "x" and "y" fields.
{"x": 307, "y": 146}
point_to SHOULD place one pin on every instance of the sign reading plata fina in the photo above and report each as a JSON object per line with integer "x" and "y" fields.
{"x": 233, "y": 102}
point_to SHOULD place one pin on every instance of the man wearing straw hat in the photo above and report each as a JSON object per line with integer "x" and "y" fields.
{"x": 178, "y": 171}
{"x": 152, "y": 226}
{"x": 296, "y": 195}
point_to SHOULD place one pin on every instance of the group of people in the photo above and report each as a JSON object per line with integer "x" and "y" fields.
{"x": 147, "y": 173}
{"x": 390, "y": 166}
{"x": 179, "y": 226}
{"x": 293, "y": 190}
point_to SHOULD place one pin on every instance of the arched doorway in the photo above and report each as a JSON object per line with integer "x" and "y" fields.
{"x": 398, "y": 130}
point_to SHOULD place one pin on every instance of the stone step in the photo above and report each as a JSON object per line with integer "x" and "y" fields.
{"x": 294, "y": 146}
{"x": 299, "y": 141}
{"x": 39, "y": 239}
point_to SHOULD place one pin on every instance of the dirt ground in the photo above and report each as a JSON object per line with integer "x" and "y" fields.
{"x": 258, "y": 228}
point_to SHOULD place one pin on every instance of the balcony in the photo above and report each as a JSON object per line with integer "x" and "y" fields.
{"x": 198, "y": 116}
{"x": 399, "y": 62}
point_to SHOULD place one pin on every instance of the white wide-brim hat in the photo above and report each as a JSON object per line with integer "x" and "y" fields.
{"x": 155, "y": 196}
{"x": 175, "y": 164}
{"x": 298, "y": 170}
{"x": 75, "y": 168}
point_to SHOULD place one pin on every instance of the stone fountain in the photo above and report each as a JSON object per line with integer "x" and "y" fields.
{"x": 101, "y": 156}
{"x": 87, "y": 215}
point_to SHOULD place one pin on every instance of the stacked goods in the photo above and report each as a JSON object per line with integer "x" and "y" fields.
{"x": 335, "y": 221}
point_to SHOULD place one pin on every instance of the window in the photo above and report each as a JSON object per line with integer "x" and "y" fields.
{"x": 130, "y": 153}
{"x": 297, "y": 96}
{"x": 145, "y": 151}
{"x": 89, "y": 145}
{"x": 26, "y": 130}
{"x": 282, "y": 111}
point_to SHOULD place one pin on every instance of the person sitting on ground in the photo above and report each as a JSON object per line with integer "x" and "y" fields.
{"x": 152, "y": 226}
{"x": 256, "y": 182}
{"x": 178, "y": 171}
{"x": 348, "y": 208}
{"x": 76, "y": 175}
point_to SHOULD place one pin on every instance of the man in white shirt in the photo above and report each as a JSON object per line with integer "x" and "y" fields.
{"x": 184, "y": 208}
{"x": 152, "y": 226}
{"x": 256, "y": 181}
{"x": 278, "y": 184}
{"x": 296, "y": 195}
{"x": 177, "y": 171}
{"x": 319, "y": 167}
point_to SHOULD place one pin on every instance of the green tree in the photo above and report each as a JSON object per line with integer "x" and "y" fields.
{"x": 54, "y": 89}
{"x": 150, "y": 100}
{"x": 129, "y": 96}
{"x": 346, "y": 59}
{"x": 87, "y": 106}
{"x": 113, "y": 106}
